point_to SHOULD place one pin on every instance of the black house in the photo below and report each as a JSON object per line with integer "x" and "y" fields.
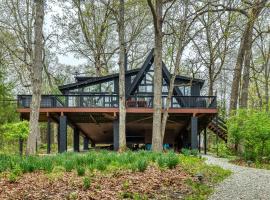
{"x": 90, "y": 107}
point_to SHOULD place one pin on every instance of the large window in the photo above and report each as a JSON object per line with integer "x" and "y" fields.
{"x": 106, "y": 87}
{"x": 185, "y": 90}
{"x": 146, "y": 85}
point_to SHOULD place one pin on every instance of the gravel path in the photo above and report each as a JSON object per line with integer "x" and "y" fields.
{"x": 245, "y": 183}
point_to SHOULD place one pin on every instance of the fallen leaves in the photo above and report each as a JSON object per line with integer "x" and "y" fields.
{"x": 152, "y": 183}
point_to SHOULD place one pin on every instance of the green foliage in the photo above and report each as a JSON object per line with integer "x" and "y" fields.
{"x": 12, "y": 178}
{"x": 69, "y": 165}
{"x": 172, "y": 160}
{"x": 211, "y": 176}
{"x": 142, "y": 165}
{"x": 80, "y": 171}
{"x": 86, "y": 183}
{"x": 186, "y": 152}
{"x": 251, "y": 128}
{"x": 16, "y": 130}
{"x": 94, "y": 160}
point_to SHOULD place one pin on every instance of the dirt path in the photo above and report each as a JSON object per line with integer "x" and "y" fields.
{"x": 245, "y": 183}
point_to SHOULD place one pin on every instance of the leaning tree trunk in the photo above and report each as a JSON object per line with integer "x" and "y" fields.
{"x": 246, "y": 74}
{"x": 245, "y": 51}
{"x": 237, "y": 74}
{"x": 36, "y": 78}
{"x": 122, "y": 96}
{"x": 171, "y": 88}
{"x": 157, "y": 143}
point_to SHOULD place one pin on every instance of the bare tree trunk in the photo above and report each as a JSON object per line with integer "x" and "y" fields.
{"x": 36, "y": 78}
{"x": 122, "y": 96}
{"x": 245, "y": 51}
{"x": 266, "y": 95}
{"x": 237, "y": 74}
{"x": 170, "y": 92}
{"x": 246, "y": 74}
{"x": 210, "y": 89}
{"x": 157, "y": 143}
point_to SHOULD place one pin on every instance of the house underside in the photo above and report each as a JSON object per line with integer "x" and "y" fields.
{"x": 100, "y": 126}
{"x": 90, "y": 107}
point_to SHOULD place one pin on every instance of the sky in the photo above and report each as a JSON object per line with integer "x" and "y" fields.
{"x": 69, "y": 58}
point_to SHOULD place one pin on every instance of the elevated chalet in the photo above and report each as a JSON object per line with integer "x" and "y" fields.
{"x": 90, "y": 107}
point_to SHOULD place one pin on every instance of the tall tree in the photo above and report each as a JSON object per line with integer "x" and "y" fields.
{"x": 156, "y": 10}
{"x": 36, "y": 77}
{"x": 122, "y": 96}
{"x": 244, "y": 54}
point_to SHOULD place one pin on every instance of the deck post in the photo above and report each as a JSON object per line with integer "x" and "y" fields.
{"x": 199, "y": 145}
{"x": 85, "y": 143}
{"x": 62, "y": 134}
{"x": 76, "y": 139}
{"x": 205, "y": 142}
{"x": 93, "y": 144}
{"x": 194, "y": 132}
{"x": 116, "y": 134}
{"x": 49, "y": 135}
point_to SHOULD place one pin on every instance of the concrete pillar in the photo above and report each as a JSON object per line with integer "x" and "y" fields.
{"x": 62, "y": 134}
{"x": 194, "y": 133}
{"x": 85, "y": 144}
{"x": 76, "y": 139}
{"x": 49, "y": 135}
{"x": 116, "y": 134}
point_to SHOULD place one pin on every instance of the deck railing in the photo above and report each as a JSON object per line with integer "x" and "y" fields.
{"x": 111, "y": 101}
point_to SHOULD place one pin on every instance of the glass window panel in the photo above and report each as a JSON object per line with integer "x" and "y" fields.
{"x": 142, "y": 88}
{"x": 149, "y": 88}
{"x": 164, "y": 89}
{"x": 187, "y": 91}
{"x": 149, "y": 77}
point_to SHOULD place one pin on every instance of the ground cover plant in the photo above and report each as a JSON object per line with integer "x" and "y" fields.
{"x": 107, "y": 175}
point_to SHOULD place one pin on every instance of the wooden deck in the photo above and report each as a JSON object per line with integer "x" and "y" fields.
{"x": 98, "y": 121}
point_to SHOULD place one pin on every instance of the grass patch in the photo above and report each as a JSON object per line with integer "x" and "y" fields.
{"x": 211, "y": 176}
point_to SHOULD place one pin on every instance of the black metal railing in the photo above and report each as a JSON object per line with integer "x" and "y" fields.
{"x": 111, "y": 101}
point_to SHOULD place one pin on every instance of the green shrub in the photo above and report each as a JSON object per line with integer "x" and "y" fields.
{"x": 69, "y": 165}
{"x": 12, "y": 177}
{"x": 58, "y": 169}
{"x": 186, "y": 152}
{"x": 80, "y": 171}
{"x": 17, "y": 170}
{"x": 27, "y": 165}
{"x": 86, "y": 183}
{"x": 142, "y": 165}
{"x": 101, "y": 165}
{"x": 194, "y": 152}
{"x": 172, "y": 160}
{"x": 161, "y": 161}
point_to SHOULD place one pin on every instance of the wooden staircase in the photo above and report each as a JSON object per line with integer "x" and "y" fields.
{"x": 218, "y": 127}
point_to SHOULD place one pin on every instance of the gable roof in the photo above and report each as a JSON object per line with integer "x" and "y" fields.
{"x": 139, "y": 72}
